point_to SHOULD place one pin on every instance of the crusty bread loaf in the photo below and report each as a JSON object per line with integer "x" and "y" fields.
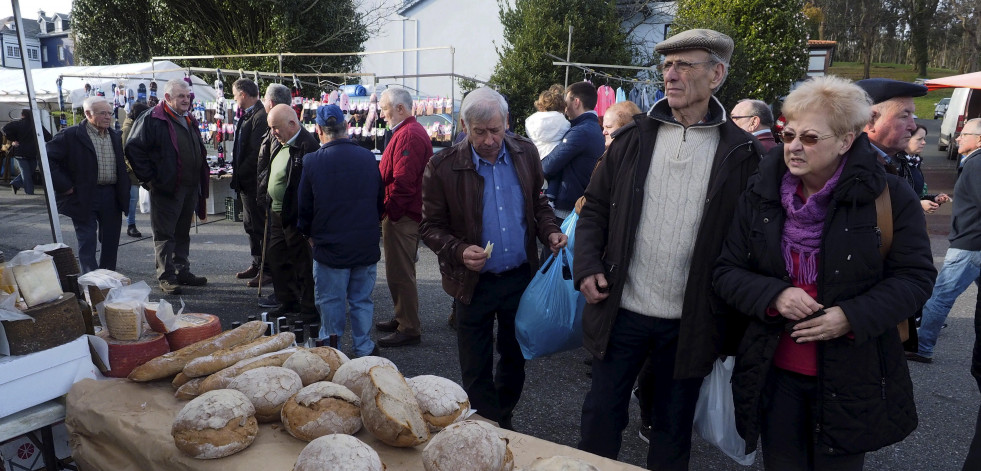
{"x": 389, "y": 409}
{"x": 310, "y": 366}
{"x": 179, "y": 380}
{"x": 338, "y": 453}
{"x": 442, "y": 401}
{"x": 320, "y": 409}
{"x": 221, "y": 359}
{"x": 189, "y": 390}
{"x": 334, "y": 357}
{"x": 468, "y": 445}
{"x": 561, "y": 463}
{"x": 215, "y": 424}
{"x": 268, "y": 388}
{"x": 223, "y": 378}
{"x": 173, "y": 362}
{"x": 354, "y": 373}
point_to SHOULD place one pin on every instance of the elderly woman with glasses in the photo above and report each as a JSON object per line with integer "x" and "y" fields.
{"x": 820, "y": 376}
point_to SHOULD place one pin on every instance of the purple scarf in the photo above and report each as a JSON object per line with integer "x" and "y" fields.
{"x": 804, "y": 225}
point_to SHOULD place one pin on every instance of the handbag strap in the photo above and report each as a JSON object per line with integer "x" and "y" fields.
{"x": 883, "y": 219}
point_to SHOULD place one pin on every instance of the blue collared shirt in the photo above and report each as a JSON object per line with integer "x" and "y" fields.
{"x": 503, "y": 218}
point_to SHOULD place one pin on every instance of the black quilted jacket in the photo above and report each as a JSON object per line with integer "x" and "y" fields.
{"x": 866, "y": 399}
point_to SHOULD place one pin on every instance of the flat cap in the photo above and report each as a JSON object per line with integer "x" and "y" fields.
{"x": 882, "y": 89}
{"x": 326, "y": 111}
{"x": 707, "y": 39}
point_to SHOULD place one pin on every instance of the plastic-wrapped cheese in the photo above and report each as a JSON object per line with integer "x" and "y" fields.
{"x": 442, "y": 401}
{"x": 36, "y": 277}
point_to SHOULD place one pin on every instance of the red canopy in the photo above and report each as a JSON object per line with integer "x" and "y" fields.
{"x": 972, "y": 80}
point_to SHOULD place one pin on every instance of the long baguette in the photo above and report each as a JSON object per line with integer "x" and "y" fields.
{"x": 172, "y": 363}
{"x": 179, "y": 380}
{"x": 223, "y": 378}
{"x": 222, "y": 359}
{"x": 189, "y": 390}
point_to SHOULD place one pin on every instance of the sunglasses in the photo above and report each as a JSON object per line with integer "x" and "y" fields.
{"x": 807, "y": 139}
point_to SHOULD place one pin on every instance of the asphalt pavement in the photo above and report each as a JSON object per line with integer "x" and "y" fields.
{"x": 946, "y": 395}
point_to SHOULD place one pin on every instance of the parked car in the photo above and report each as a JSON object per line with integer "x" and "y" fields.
{"x": 964, "y": 104}
{"x": 941, "y": 108}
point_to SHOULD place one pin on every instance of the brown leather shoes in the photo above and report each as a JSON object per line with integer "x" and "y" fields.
{"x": 266, "y": 281}
{"x": 251, "y": 272}
{"x": 399, "y": 339}
{"x": 388, "y": 326}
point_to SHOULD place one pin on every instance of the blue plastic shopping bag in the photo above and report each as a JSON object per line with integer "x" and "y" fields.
{"x": 569, "y": 229}
{"x": 549, "y": 318}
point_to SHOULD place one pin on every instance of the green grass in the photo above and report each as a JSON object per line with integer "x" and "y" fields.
{"x": 924, "y": 104}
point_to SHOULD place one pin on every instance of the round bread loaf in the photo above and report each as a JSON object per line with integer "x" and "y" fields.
{"x": 320, "y": 409}
{"x": 389, "y": 409}
{"x": 442, "y": 401}
{"x": 310, "y": 366}
{"x": 334, "y": 357}
{"x": 561, "y": 463}
{"x": 354, "y": 373}
{"x": 468, "y": 445}
{"x": 268, "y": 388}
{"x": 338, "y": 453}
{"x": 215, "y": 424}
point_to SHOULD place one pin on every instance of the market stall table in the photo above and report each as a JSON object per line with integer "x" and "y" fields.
{"x": 36, "y": 419}
{"x": 120, "y": 425}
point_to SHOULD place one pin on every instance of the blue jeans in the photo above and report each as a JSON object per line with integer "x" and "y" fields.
{"x": 335, "y": 290}
{"x": 961, "y": 268}
{"x": 637, "y": 338}
{"x": 26, "y": 178}
{"x": 134, "y": 196}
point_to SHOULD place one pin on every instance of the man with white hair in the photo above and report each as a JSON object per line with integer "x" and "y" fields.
{"x": 90, "y": 182}
{"x": 168, "y": 156}
{"x": 488, "y": 189}
{"x": 401, "y": 169}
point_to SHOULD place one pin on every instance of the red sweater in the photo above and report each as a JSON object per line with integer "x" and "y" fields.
{"x": 402, "y": 165}
{"x": 792, "y": 356}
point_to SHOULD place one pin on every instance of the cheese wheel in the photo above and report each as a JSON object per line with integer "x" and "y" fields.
{"x": 338, "y": 453}
{"x": 468, "y": 445}
{"x": 124, "y": 320}
{"x": 441, "y": 400}
{"x": 193, "y": 328}
{"x": 38, "y": 282}
{"x": 125, "y": 355}
{"x": 215, "y": 424}
{"x": 320, "y": 409}
{"x": 150, "y": 312}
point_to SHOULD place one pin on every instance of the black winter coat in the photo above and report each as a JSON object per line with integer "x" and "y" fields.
{"x": 304, "y": 144}
{"x": 74, "y": 166}
{"x": 608, "y": 225}
{"x": 866, "y": 396}
{"x": 152, "y": 153}
{"x": 249, "y": 133}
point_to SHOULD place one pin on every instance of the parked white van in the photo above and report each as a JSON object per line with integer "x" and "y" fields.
{"x": 965, "y": 104}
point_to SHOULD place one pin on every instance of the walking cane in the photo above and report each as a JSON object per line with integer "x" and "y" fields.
{"x": 262, "y": 258}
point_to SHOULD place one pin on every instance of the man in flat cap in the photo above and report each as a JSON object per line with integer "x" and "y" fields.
{"x": 657, "y": 209}
{"x": 892, "y": 122}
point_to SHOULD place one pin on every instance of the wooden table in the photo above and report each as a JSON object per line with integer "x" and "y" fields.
{"x": 36, "y": 420}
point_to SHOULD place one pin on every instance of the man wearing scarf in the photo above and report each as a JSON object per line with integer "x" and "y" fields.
{"x": 169, "y": 158}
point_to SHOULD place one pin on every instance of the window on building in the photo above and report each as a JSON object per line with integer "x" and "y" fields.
{"x": 32, "y": 54}
{"x": 44, "y": 54}
{"x": 13, "y": 51}
{"x": 61, "y": 53}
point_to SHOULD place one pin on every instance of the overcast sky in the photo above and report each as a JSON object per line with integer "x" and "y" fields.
{"x": 29, "y": 8}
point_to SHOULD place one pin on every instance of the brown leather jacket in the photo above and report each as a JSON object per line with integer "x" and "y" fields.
{"x": 452, "y": 209}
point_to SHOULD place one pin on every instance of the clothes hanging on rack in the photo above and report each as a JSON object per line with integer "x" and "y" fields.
{"x": 621, "y": 96}
{"x": 605, "y": 97}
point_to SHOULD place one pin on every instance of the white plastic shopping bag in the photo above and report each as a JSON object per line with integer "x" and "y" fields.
{"x": 144, "y": 200}
{"x": 715, "y": 413}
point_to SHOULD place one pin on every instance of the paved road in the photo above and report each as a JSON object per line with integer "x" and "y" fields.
{"x": 947, "y": 397}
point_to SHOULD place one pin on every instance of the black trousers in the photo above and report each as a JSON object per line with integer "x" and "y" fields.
{"x": 637, "y": 338}
{"x": 789, "y": 421}
{"x": 973, "y": 461}
{"x": 495, "y": 296}
{"x": 291, "y": 264}
{"x": 254, "y": 222}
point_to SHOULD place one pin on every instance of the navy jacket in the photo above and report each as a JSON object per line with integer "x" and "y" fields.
{"x": 71, "y": 156}
{"x": 341, "y": 199}
{"x": 568, "y": 167}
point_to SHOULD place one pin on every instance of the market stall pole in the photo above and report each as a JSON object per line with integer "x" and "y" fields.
{"x": 38, "y": 130}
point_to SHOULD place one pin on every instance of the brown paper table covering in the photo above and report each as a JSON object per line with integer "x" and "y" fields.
{"x": 118, "y": 425}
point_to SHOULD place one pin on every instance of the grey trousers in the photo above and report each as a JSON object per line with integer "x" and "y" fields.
{"x": 170, "y": 220}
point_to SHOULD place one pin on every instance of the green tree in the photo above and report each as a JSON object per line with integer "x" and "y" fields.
{"x": 770, "y": 43}
{"x": 122, "y": 31}
{"x": 533, "y": 29}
